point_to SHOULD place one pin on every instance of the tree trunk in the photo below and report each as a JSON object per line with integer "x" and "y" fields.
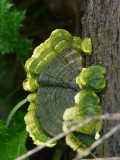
{"x": 101, "y": 22}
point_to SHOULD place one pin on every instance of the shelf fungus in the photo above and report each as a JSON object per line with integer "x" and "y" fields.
{"x": 62, "y": 89}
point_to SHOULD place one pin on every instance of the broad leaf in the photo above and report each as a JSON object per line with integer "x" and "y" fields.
{"x": 12, "y": 140}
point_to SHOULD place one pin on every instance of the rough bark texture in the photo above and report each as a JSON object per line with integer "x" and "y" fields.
{"x": 101, "y": 22}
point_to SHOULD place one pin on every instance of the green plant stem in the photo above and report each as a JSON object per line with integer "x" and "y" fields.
{"x": 14, "y": 110}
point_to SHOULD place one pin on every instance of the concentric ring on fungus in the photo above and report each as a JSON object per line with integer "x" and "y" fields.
{"x": 51, "y": 77}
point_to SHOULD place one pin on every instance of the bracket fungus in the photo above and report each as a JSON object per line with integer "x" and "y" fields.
{"x": 51, "y": 77}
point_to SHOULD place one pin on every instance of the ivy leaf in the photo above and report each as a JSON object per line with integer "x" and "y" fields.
{"x": 10, "y": 38}
{"x": 12, "y": 140}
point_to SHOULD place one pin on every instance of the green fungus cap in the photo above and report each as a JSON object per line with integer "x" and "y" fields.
{"x": 79, "y": 142}
{"x": 86, "y": 98}
{"x": 74, "y": 114}
{"x": 86, "y": 46}
{"x": 92, "y": 78}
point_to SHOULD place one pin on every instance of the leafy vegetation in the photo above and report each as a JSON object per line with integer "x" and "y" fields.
{"x": 10, "y": 38}
{"x": 13, "y": 139}
{"x": 15, "y": 49}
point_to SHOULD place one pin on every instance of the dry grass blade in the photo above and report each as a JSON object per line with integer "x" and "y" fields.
{"x": 115, "y": 116}
{"x": 106, "y": 158}
{"x": 96, "y": 143}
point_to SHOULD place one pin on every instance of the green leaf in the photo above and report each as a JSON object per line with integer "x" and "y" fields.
{"x": 10, "y": 38}
{"x": 12, "y": 140}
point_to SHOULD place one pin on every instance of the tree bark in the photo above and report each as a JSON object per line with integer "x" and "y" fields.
{"x": 101, "y": 22}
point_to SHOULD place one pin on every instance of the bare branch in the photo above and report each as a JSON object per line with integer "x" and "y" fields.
{"x": 115, "y": 116}
{"x": 96, "y": 143}
{"x": 106, "y": 158}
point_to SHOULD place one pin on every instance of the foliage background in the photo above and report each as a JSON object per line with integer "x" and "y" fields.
{"x": 26, "y": 24}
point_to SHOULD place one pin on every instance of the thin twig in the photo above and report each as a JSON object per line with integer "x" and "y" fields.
{"x": 96, "y": 143}
{"x": 106, "y": 158}
{"x": 115, "y": 116}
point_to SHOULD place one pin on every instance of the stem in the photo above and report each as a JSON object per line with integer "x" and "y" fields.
{"x": 14, "y": 110}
